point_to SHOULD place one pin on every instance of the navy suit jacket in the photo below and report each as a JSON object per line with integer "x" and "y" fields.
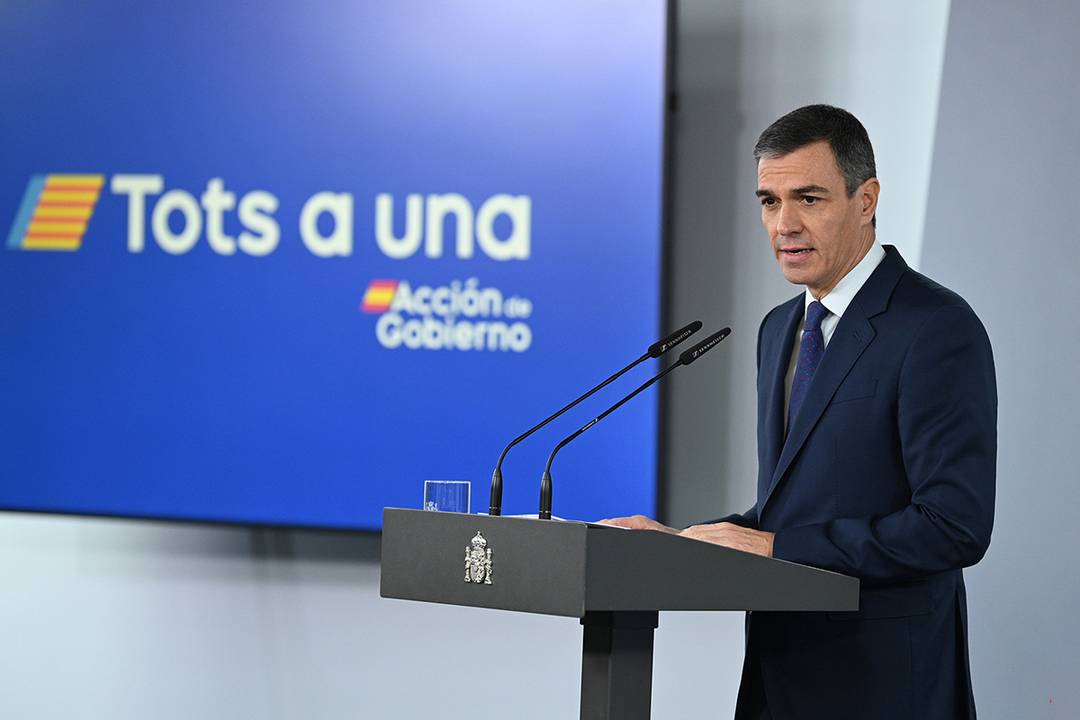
{"x": 887, "y": 474}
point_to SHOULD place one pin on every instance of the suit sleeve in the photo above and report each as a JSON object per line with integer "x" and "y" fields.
{"x": 947, "y": 423}
{"x": 746, "y": 519}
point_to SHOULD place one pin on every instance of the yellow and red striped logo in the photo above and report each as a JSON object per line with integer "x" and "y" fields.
{"x": 379, "y": 296}
{"x": 54, "y": 212}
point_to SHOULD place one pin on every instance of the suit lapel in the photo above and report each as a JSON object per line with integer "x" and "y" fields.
{"x": 778, "y": 353}
{"x": 851, "y": 337}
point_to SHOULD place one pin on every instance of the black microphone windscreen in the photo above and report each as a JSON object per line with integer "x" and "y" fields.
{"x": 660, "y": 347}
{"x": 704, "y": 346}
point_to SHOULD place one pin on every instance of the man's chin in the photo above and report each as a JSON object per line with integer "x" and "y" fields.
{"x": 796, "y": 276}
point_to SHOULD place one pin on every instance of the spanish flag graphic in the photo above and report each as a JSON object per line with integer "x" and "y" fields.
{"x": 379, "y": 296}
{"x": 55, "y": 211}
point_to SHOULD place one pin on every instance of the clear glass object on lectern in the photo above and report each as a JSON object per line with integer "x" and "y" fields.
{"x": 447, "y": 495}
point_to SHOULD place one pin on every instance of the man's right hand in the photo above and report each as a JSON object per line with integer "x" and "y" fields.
{"x": 638, "y": 522}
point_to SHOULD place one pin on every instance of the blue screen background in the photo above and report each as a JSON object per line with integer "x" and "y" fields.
{"x": 252, "y": 389}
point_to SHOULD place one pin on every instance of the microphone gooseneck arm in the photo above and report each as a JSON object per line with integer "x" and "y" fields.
{"x": 545, "y": 482}
{"x": 687, "y": 357}
{"x": 495, "y": 501}
{"x": 655, "y": 350}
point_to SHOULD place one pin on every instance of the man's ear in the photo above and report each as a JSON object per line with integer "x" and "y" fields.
{"x": 868, "y": 197}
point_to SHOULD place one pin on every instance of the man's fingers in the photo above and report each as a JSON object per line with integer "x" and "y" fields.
{"x": 732, "y": 536}
{"x": 634, "y": 522}
{"x": 699, "y": 531}
{"x": 623, "y": 522}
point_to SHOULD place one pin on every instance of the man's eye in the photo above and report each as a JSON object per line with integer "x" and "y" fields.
{"x": 768, "y": 202}
{"x": 809, "y": 199}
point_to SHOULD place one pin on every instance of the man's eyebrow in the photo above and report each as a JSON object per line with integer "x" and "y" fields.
{"x": 808, "y": 189}
{"x": 804, "y": 190}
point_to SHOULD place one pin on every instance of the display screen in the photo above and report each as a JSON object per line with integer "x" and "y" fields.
{"x": 282, "y": 263}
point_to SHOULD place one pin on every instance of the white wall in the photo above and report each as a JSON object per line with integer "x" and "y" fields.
{"x": 1000, "y": 227}
{"x": 124, "y": 619}
{"x": 115, "y": 619}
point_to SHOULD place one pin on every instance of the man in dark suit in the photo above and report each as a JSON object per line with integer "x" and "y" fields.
{"x": 877, "y": 440}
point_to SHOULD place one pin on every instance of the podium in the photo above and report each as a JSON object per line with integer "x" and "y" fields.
{"x": 616, "y": 581}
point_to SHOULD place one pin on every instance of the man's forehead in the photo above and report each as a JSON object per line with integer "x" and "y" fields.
{"x": 812, "y": 164}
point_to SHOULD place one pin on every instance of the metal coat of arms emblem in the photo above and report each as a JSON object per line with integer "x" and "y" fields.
{"x": 478, "y": 561}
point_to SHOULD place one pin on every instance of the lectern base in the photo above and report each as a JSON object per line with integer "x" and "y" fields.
{"x": 616, "y": 665}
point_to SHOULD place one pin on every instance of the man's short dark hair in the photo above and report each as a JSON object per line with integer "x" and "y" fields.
{"x": 845, "y": 134}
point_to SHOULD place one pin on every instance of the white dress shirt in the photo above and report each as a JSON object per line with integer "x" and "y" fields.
{"x": 836, "y": 302}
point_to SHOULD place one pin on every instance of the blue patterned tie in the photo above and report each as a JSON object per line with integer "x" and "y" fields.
{"x": 811, "y": 349}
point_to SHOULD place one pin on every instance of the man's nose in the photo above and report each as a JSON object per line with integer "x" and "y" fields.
{"x": 787, "y": 220}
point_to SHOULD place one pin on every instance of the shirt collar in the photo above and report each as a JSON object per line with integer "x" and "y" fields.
{"x": 838, "y": 299}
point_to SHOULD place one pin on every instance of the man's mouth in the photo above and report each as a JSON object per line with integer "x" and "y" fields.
{"x": 795, "y": 252}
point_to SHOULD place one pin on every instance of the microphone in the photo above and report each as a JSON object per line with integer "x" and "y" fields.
{"x": 655, "y": 350}
{"x": 687, "y": 357}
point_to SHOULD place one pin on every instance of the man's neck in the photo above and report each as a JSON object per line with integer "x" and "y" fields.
{"x": 868, "y": 242}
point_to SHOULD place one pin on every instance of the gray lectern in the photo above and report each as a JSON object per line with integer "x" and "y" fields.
{"x": 615, "y": 580}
